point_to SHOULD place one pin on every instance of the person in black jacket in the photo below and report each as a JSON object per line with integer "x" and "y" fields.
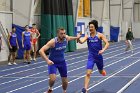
{"x": 129, "y": 38}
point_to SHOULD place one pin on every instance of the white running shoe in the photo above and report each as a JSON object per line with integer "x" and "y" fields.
{"x": 34, "y": 59}
{"x": 9, "y": 64}
{"x": 31, "y": 58}
{"x": 15, "y": 63}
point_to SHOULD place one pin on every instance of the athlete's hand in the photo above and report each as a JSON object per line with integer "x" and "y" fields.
{"x": 10, "y": 47}
{"x": 126, "y": 42}
{"x": 22, "y": 46}
{"x": 78, "y": 36}
{"x": 101, "y": 51}
{"x": 18, "y": 47}
{"x": 50, "y": 62}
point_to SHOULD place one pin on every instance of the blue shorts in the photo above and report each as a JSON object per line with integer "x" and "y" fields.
{"x": 91, "y": 61}
{"x": 27, "y": 47}
{"x": 61, "y": 66}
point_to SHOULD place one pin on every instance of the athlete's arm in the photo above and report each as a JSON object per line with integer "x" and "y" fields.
{"x": 22, "y": 39}
{"x": 38, "y": 33}
{"x": 0, "y": 40}
{"x": 17, "y": 43}
{"x": 69, "y": 38}
{"x": 50, "y": 44}
{"x": 31, "y": 36}
{"x": 102, "y": 37}
{"x": 9, "y": 40}
{"x": 81, "y": 41}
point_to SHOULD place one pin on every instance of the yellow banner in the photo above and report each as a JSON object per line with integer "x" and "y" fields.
{"x": 86, "y": 11}
{"x": 80, "y": 9}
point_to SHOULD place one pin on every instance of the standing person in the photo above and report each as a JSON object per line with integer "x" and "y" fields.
{"x": 0, "y": 41}
{"x": 35, "y": 36}
{"x": 56, "y": 58}
{"x": 94, "y": 42}
{"x": 26, "y": 44}
{"x": 13, "y": 46}
{"x": 129, "y": 38}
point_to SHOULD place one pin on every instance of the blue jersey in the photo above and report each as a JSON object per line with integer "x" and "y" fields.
{"x": 94, "y": 46}
{"x": 13, "y": 39}
{"x": 56, "y": 54}
{"x": 27, "y": 38}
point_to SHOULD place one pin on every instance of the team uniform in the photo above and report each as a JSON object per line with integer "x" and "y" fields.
{"x": 13, "y": 43}
{"x": 57, "y": 56}
{"x": 34, "y": 36}
{"x": 27, "y": 42}
{"x": 94, "y": 46}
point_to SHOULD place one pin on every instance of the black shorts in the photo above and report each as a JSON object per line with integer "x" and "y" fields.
{"x": 13, "y": 49}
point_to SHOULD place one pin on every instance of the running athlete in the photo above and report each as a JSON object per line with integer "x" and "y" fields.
{"x": 94, "y": 42}
{"x": 26, "y": 44}
{"x": 129, "y": 38}
{"x": 13, "y": 46}
{"x": 0, "y": 41}
{"x": 56, "y": 58}
{"x": 35, "y": 36}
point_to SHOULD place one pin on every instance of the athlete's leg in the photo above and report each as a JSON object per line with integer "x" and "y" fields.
{"x": 90, "y": 65}
{"x": 64, "y": 84}
{"x": 62, "y": 68}
{"x": 52, "y": 76}
{"x": 100, "y": 66}
{"x": 14, "y": 55}
{"x": 25, "y": 56}
{"x": 9, "y": 57}
{"x": 14, "y": 58}
{"x": 35, "y": 46}
{"x": 28, "y": 49}
{"x": 87, "y": 78}
{"x": 130, "y": 44}
{"x": 28, "y": 56}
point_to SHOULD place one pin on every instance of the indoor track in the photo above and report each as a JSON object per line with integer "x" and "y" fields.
{"x": 121, "y": 68}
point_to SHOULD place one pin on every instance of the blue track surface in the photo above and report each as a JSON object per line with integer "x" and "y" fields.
{"x": 121, "y": 67}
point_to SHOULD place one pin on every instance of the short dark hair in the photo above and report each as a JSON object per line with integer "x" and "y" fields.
{"x": 129, "y": 29}
{"x": 26, "y": 26}
{"x": 13, "y": 27}
{"x": 95, "y": 23}
{"x": 33, "y": 24}
{"x": 61, "y": 28}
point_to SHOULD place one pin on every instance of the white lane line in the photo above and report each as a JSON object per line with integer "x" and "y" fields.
{"x": 114, "y": 74}
{"x": 44, "y": 61}
{"x": 69, "y": 82}
{"x": 129, "y": 83}
{"x": 97, "y": 70}
{"x": 66, "y": 60}
{"x": 35, "y": 74}
{"x": 87, "y": 51}
{"x": 60, "y": 86}
{"x": 127, "y": 76}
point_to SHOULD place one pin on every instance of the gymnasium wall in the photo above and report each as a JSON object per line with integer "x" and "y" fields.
{"x": 136, "y": 29}
{"x": 21, "y": 12}
{"x": 6, "y": 21}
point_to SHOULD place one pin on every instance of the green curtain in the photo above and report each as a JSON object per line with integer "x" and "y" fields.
{"x": 55, "y": 14}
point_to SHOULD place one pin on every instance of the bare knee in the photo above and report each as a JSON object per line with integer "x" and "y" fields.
{"x": 52, "y": 79}
{"x": 88, "y": 74}
{"x": 64, "y": 80}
